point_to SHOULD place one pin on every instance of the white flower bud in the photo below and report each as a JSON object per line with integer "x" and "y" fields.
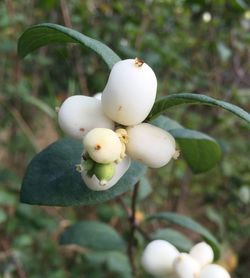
{"x": 130, "y": 92}
{"x": 103, "y": 145}
{"x": 150, "y": 145}
{"x": 93, "y": 182}
{"x": 79, "y": 114}
{"x": 202, "y": 253}
{"x": 214, "y": 271}
{"x": 158, "y": 257}
{"x": 186, "y": 267}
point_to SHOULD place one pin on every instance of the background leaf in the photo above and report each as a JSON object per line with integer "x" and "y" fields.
{"x": 114, "y": 261}
{"x": 188, "y": 223}
{"x": 176, "y": 238}
{"x": 48, "y": 33}
{"x": 145, "y": 188}
{"x": 164, "y": 103}
{"x": 200, "y": 151}
{"x": 94, "y": 235}
{"x": 51, "y": 178}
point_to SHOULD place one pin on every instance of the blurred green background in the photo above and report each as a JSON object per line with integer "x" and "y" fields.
{"x": 198, "y": 46}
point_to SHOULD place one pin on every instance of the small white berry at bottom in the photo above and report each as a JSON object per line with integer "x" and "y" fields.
{"x": 158, "y": 257}
{"x": 202, "y": 253}
{"x": 214, "y": 271}
{"x": 186, "y": 267}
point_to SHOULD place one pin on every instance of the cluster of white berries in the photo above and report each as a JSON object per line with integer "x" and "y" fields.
{"x": 111, "y": 126}
{"x": 161, "y": 259}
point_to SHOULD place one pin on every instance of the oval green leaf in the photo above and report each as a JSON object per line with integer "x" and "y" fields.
{"x": 48, "y": 33}
{"x": 93, "y": 235}
{"x": 164, "y": 103}
{"x": 200, "y": 151}
{"x": 190, "y": 224}
{"x": 51, "y": 178}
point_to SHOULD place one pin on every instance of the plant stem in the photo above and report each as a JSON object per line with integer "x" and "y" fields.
{"x": 132, "y": 221}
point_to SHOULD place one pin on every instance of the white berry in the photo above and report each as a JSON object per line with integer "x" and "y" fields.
{"x": 79, "y": 114}
{"x": 186, "y": 267}
{"x": 202, "y": 253}
{"x": 158, "y": 256}
{"x": 150, "y": 145}
{"x": 94, "y": 184}
{"x": 130, "y": 92}
{"x": 214, "y": 271}
{"x": 103, "y": 145}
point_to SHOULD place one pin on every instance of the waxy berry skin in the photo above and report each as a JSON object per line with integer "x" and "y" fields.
{"x": 79, "y": 114}
{"x": 158, "y": 257}
{"x": 103, "y": 145}
{"x": 186, "y": 267}
{"x": 214, "y": 271}
{"x": 130, "y": 92}
{"x": 202, "y": 253}
{"x": 150, "y": 145}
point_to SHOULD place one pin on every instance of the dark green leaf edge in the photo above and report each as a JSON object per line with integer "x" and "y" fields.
{"x": 183, "y": 135}
{"x": 94, "y": 235}
{"x": 48, "y": 33}
{"x": 166, "y": 102}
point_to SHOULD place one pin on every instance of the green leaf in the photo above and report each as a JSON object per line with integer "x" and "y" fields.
{"x": 200, "y": 151}
{"x": 164, "y": 103}
{"x": 145, "y": 188}
{"x": 188, "y": 223}
{"x": 48, "y": 33}
{"x": 51, "y": 178}
{"x": 176, "y": 238}
{"x": 93, "y": 235}
{"x": 114, "y": 261}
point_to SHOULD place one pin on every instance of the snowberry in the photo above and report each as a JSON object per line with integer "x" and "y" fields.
{"x": 150, "y": 145}
{"x": 186, "y": 267}
{"x": 214, "y": 271}
{"x": 94, "y": 183}
{"x": 130, "y": 92}
{"x": 103, "y": 145}
{"x": 158, "y": 256}
{"x": 202, "y": 253}
{"x": 79, "y": 114}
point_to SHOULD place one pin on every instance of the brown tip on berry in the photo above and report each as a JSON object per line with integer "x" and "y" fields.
{"x": 138, "y": 62}
{"x": 176, "y": 154}
{"x": 97, "y": 147}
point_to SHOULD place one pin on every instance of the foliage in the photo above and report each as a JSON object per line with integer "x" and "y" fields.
{"x": 188, "y": 54}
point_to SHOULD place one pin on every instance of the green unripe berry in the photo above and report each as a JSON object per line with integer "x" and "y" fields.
{"x": 88, "y": 164}
{"x": 104, "y": 172}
